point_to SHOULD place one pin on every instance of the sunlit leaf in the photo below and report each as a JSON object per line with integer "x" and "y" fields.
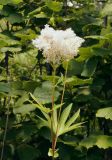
{"x": 73, "y": 118}
{"x": 102, "y": 141}
{"x": 105, "y": 113}
{"x": 54, "y": 5}
{"x": 24, "y": 109}
{"x": 50, "y": 153}
{"x": 64, "y": 116}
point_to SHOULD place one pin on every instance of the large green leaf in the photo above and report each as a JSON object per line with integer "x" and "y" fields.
{"x": 26, "y": 59}
{"x": 24, "y": 109}
{"x": 74, "y": 67}
{"x": 14, "y": 18}
{"x": 44, "y": 93}
{"x": 84, "y": 53}
{"x": 5, "y": 2}
{"x": 11, "y": 49}
{"x": 5, "y": 87}
{"x": 105, "y": 113}
{"x": 16, "y": 1}
{"x": 39, "y": 105}
{"x": 102, "y": 141}
{"x": 54, "y": 5}
{"x": 75, "y": 81}
{"x": 89, "y": 67}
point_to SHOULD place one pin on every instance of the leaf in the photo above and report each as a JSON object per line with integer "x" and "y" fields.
{"x": 41, "y": 15}
{"x": 8, "y": 40}
{"x": 107, "y": 10}
{"x": 89, "y": 67}
{"x": 26, "y": 59}
{"x": 44, "y": 93}
{"x": 24, "y": 109}
{"x": 84, "y": 53}
{"x": 48, "y": 123}
{"x": 102, "y": 141}
{"x": 54, "y": 5}
{"x": 63, "y": 118}
{"x": 74, "y": 68}
{"x": 43, "y": 123}
{"x": 71, "y": 128}
{"x": 102, "y": 52}
{"x": 55, "y": 121}
{"x": 5, "y": 87}
{"x": 27, "y": 152}
{"x": 75, "y": 81}
{"x": 14, "y": 18}
{"x": 50, "y": 153}
{"x": 1, "y": 7}
{"x": 39, "y": 105}
{"x": 5, "y": 2}
{"x": 10, "y": 49}
{"x": 21, "y": 100}
{"x": 73, "y": 118}
{"x": 16, "y": 1}
{"x": 34, "y": 12}
{"x": 98, "y": 37}
{"x": 105, "y": 113}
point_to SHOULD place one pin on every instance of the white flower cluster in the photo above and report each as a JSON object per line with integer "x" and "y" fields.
{"x": 58, "y": 45}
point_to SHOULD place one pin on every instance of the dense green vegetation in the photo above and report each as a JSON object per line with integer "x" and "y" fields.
{"x": 24, "y": 74}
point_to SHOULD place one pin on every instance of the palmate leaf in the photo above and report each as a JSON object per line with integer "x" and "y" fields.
{"x": 64, "y": 116}
{"x": 105, "y": 113}
{"x": 62, "y": 125}
{"x": 66, "y": 126}
{"x": 73, "y": 118}
{"x": 55, "y": 120}
{"x": 43, "y": 122}
{"x": 71, "y": 128}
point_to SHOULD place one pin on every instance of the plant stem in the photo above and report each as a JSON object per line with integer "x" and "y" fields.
{"x": 63, "y": 92}
{"x": 5, "y": 132}
{"x": 7, "y": 106}
{"x": 52, "y": 112}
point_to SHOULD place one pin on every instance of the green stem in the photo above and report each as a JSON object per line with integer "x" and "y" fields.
{"x": 52, "y": 112}
{"x": 63, "y": 92}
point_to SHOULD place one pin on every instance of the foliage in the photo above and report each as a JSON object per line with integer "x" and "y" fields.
{"x": 26, "y": 79}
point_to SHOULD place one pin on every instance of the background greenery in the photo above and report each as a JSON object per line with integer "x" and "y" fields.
{"x": 23, "y": 70}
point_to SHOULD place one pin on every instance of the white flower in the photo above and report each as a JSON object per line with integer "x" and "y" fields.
{"x": 58, "y": 45}
{"x": 69, "y": 4}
